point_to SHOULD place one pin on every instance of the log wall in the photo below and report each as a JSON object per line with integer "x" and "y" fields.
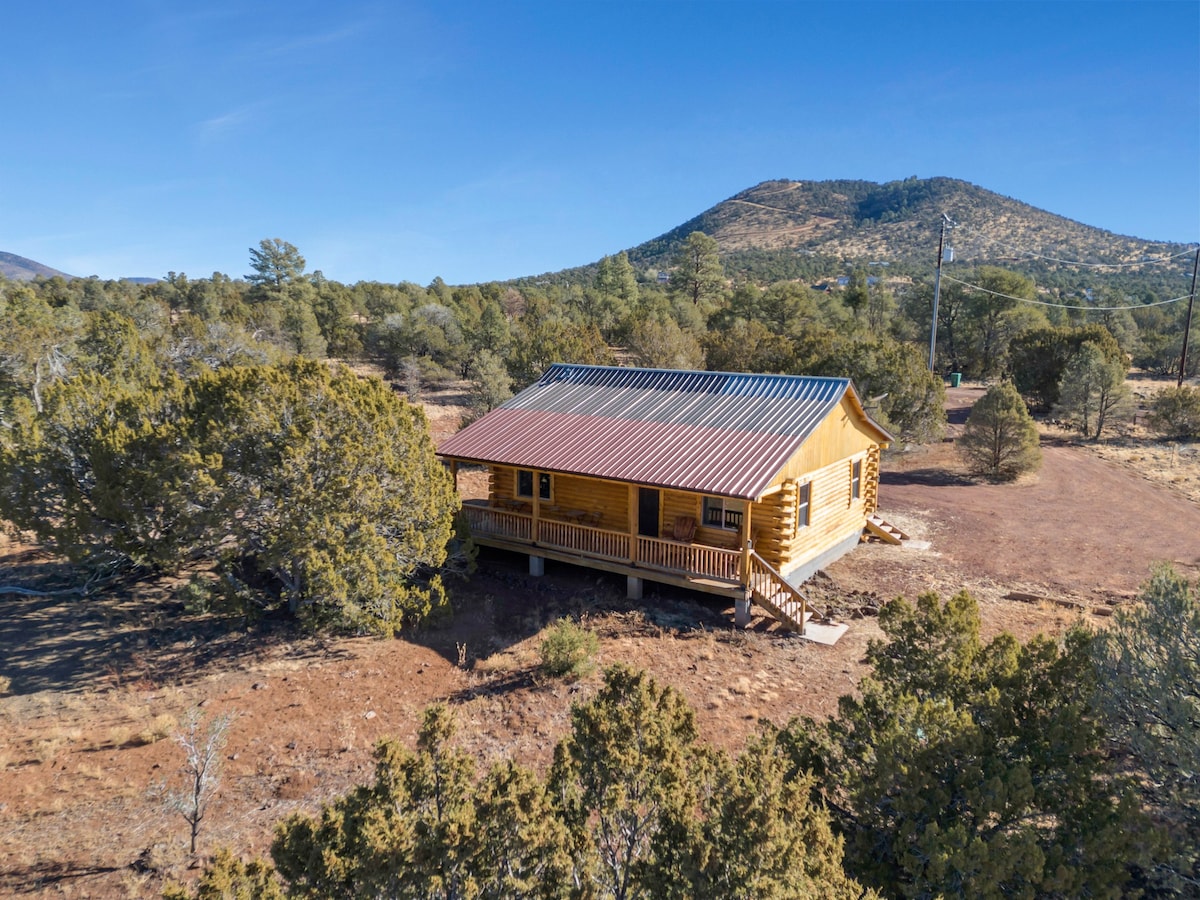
{"x": 608, "y": 498}
{"x": 840, "y": 436}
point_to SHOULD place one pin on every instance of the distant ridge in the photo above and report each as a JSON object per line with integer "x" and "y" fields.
{"x": 785, "y": 229}
{"x": 866, "y": 221}
{"x": 18, "y": 268}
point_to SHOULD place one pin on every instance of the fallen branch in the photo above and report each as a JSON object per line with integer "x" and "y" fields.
{"x": 33, "y": 592}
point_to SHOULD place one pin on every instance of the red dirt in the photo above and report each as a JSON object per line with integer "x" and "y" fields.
{"x": 97, "y": 685}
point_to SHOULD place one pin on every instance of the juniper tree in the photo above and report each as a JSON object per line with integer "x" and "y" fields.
{"x": 973, "y": 769}
{"x": 325, "y": 484}
{"x": 1149, "y": 692}
{"x": 425, "y": 830}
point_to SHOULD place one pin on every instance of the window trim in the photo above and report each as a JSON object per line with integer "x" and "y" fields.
{"x": 538, "y": 482}
{"x": 855, "y": 480}
{"x": 803, "y": 507}
{"x": 521, "y": 475}
{"x": 726, "y": 511}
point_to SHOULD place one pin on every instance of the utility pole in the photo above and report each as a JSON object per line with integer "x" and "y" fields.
{"x": 1187, "y": 327}
{"x": 937, "y": 291}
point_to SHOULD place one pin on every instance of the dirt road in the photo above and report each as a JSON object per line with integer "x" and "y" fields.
{"x": 1080, "y": 523}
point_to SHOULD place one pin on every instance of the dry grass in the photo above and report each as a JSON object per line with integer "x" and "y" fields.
{"x": 160, "y": 727}
{"x": 1174, "y": 465}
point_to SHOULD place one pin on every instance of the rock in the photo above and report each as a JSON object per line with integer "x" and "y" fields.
{"x": 259, "y": 686}
{"x": 370, "y": 714}
{"x": 1067, "y": 604}
{"x": 1023, "y": 597}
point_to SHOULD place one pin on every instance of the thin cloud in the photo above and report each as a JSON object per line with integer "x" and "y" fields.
{"x": 309, "y": 41}
{"x": 222, "y": 125}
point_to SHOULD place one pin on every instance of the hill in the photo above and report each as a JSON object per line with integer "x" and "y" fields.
{"x": 810, "y": 229}
{"x": 18, "y": 268}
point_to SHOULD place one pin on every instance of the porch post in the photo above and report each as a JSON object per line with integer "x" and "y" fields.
{"x": 633, "y": 586}
{"x": 454, "y": 473}
{"x": 537, "y": 509}
{"x": 633, "y": 525}
{"x": 744, "y": 534}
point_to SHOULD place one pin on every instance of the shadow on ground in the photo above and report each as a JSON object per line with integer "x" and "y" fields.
{"x": 69, "y": 642}
{"x": 502, "y": 605}
{"x": 927, "y": 478}
{"x": 146, "y": 638}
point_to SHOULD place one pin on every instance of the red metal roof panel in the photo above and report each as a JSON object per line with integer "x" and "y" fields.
{"x": 713, "y": 432}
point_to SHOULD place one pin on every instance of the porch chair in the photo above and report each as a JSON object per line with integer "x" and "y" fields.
{"x": 685, "y": 529}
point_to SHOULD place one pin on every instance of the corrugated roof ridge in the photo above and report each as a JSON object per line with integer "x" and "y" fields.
{"x": 557, "y": 370}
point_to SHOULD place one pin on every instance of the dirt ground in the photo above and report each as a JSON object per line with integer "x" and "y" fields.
{"x": 98, "y": 687}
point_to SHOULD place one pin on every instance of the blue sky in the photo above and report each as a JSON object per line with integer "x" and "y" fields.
{"x": 399, "y": 141}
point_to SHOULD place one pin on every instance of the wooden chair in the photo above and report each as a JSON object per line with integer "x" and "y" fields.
{"x": 685, "y": 529}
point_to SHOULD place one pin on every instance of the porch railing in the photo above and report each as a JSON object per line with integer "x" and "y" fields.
{"x": 498, "y": 522}
{"x": 583, "y": 539}
{"x": 694, "y": 559}
{"x": 601, "y": 543}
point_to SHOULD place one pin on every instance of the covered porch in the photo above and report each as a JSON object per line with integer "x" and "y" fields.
{"x": 561, "y": 535}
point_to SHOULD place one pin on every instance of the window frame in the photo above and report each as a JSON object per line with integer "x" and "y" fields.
{"x": 855, "y": 480}
{"x": 727, "y": 510}
{"x": 803, "y": 507}
{"x": 540, "y": 483}
{"x": 522, "y": 476}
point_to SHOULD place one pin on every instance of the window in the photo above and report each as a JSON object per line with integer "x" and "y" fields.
{"x": 856, "y": 479}
{"x": 722, "y": 513}
{"x": 525, "y": 484}
{"x": 803, "y": 502}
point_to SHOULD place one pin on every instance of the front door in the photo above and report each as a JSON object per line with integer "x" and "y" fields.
{"x": 648, "y": 512}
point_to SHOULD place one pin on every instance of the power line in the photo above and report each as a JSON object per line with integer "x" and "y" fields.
{"x": 976, "y": 287}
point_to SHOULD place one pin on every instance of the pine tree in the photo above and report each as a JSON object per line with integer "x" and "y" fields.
{"x": 697, "y": 273}
{"x": 1092, "y": 390}
{"x": 1000, "y": 439}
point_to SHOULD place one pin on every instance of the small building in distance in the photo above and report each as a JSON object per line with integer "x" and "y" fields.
{"x": 740, "y": 485}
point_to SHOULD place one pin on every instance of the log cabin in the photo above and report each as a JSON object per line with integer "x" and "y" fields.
{"x": 741, "y": 485}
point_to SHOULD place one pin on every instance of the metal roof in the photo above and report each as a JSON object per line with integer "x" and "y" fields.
{"x": 711, "y": 432}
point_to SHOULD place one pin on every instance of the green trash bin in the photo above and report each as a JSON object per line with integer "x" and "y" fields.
{"x": 955, "y": 379}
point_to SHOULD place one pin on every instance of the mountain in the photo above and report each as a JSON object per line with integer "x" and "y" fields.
{"x": 18, "y": 268}
{"x": 813, "y": 229}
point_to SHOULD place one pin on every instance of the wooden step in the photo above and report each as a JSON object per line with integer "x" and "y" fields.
{"x": 885, "y": 531}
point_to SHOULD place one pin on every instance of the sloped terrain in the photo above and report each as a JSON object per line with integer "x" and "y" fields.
{"x": 18, "y": 268}
{"x": 862, "y": 220}
{"x": 99, "y": 686}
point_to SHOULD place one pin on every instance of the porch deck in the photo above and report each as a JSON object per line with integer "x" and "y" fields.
{"x": 696, "y": 566}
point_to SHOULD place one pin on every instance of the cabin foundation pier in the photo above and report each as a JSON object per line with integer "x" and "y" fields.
{"x": 633, "y": 587}
{"x": 741, "y": 612}
{"x": 537, "y": 565}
